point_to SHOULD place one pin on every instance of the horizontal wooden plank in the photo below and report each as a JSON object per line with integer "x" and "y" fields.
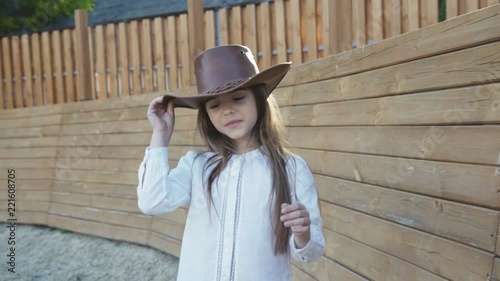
{"x": 110, "y": 177}
{"x": 169, "y": 228}
{"x": 165, "y": 244}
{"x": 436, "y": 179}
{"x": 28, "y": 142}
{"x": 131, "y": 101}
{"x": 463, "y": 144}
{"x": 29, "y": 152}
{"x": 26, "y": 195}
{"x": 96, "y": 201}
{"x": 99, "y": 215}
{"x": 113, "y": 115}
{"x": 42, "y": 131}
{"x": 52, "y": 109}
{"x": 327, "y": 269}
{"x": 182, "y": 123}
{"x": 443, "y": 257}
{"x": 466, "y": 224}
{"x": 109, "y": 190}
{"x": 31, "y": 184}
{"x": 299, "y": 275}
{"x": 24, "y": 163}
{"x": 98, "y": 229}
{"x": 26, "y": 217}
{"x": 461, "y": 32}
{"x": 26, "y": 206}
{"x": 26, "y": 174}
{"x": 70, "y": 155}
{"x": 371, "y": 262}
{"x": 470, "y": 105}
{"x": 35, "y": 121}
{"x": 462, "y": 68}
{"x": 100, "y": 165}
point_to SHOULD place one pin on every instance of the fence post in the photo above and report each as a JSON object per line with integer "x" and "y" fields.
{"x": 84, "y": 91}
{"x": 196, "y": 29}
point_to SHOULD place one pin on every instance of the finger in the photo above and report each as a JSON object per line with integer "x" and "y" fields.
{"x": 284, "y": 207}
{"x": 299, "y": 230}
{"x": 170, "y": 107}
{"x": 295, "y": 215}
{"x": 297, "y": 222}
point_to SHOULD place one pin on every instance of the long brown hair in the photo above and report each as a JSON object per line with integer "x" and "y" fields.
{"x": 268, "y": 131}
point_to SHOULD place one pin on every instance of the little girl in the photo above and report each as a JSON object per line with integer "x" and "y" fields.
{"x": 251, "y": 203}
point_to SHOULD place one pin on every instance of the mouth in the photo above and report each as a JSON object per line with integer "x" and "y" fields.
{"x": 233, "y": 123}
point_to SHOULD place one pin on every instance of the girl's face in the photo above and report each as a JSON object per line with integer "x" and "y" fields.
{"x": 234, "y": 115}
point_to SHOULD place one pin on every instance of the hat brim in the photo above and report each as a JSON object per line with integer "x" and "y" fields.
{"x": 270, "y": 78}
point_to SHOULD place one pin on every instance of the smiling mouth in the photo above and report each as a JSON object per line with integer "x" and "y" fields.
{"x": 233, "y": 123}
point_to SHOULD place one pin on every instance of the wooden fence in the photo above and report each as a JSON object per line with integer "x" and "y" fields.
{"x": 404, "y": 144}
{"x": 148, "y": 55}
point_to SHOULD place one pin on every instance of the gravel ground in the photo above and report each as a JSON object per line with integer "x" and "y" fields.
{"x": 44, "y": 253}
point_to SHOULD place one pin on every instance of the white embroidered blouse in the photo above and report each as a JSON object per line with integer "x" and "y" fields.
{"x": 234, "y": 241}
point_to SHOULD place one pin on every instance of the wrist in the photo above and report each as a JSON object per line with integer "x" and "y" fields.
{"x": 302, "y": 240}
{"x": 160, "y": 138}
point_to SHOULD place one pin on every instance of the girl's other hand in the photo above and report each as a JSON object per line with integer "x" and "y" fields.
{"x": 161, "y": 114}
{"x": 162, "y": 118}
{"x": 296, "y": 216}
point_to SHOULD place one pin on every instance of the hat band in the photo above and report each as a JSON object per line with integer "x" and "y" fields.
{"x": 225, "y": 86}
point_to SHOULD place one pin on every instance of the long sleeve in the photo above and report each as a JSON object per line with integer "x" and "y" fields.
{"x": 307, "y": 195}
{"x": 158, "y": 190}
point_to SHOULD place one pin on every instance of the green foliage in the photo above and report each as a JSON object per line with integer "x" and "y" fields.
{"x": 442, "y": 10}
{"x": 32, "y": 15}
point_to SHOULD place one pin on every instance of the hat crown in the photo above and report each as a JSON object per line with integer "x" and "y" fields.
{"x": 219, "y": 68}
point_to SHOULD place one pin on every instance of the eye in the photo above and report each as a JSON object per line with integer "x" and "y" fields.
{"x": 238, "y": 98}
{"x": 213, "y": 105}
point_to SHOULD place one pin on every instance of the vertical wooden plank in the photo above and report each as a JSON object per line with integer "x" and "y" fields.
{"x": 146, "y": 52}
{"x": 343, "y": 25}
{"x": 358, "y": 22}
{"x": 209, "y": 29}
{"x": 223, "y": 30}
{"x": 392, "y": 18}
{"x": 235, "y": 36}
{"x": 462, "y": 7}
{"x": 310, "y": 31}
{"x": 293, "y": 36}
{"x": 58, "y": 66}
{"x": 404, "y": 16}
{"x": 196, "y": 35}
{"x": 326, "y": 27}
{"x": 491, "y": 2}
{"x": 2, "y": 91}
{"x": 18, "y": 75}
{"x": 482, "y": 4}
{"x": 123, "y": 60}
{"x": 92, "y": 51}
{"x": 111, "y": 65}
{"x": 451, "y": 8}
{"x": 279, "y": 16}
{"x": 432, "y": 12}
{"x": 249, "y": 28}
{"x": 69, "y": 91}
{"x": 136, "y": 61}
{"x": 27, "y": 73}
{"x": 377, "y": 20}
{"x": 47, "y": 69}
{"x": 423, "y": 13}
{"x": 102, "y": 91}
{"x": 264, "y": 41}
{"x": 37, "y": 69}
{"x": 159, "y": 57}
{"x": 83, "y": 58}
{"x": 184, "y": 49}
{"x": 472, "y": 5}
{"x": 7, "y": 72}
{"x": 171, "y": 45}
{"x": 413, "y": 15}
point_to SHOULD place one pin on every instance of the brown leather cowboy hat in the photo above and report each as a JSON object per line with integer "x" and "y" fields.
{"x": 227, "y": 68}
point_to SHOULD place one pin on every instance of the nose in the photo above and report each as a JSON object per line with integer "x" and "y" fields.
{"x": 228, "y": 108}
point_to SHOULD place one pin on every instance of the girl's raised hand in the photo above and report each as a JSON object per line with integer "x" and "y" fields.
{"x": 161, "y": 114}
{"x": 162, "y": 118}
{"x": 296, "y": 216}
